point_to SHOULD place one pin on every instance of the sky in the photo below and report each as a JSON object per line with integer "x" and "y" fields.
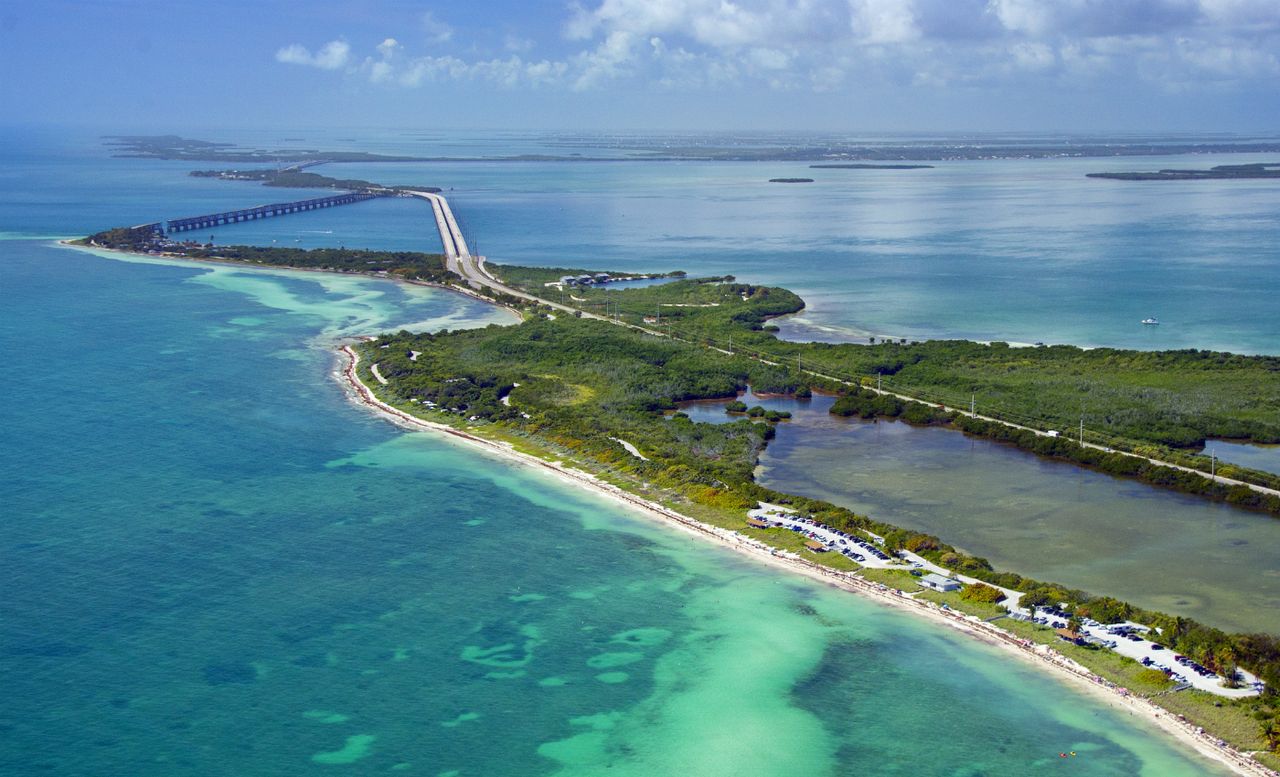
{"x": 789, "y": 65}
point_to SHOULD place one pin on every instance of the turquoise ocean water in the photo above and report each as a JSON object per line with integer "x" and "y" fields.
{"x": 214, "y": 564}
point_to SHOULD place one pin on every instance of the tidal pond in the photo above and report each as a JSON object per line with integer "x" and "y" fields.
{"x": 1049, "y": 520}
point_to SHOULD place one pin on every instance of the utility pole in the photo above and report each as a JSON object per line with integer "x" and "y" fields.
{"x": 1081, "y": 431}
{"x": 878, "y": 383}
{"x": 1213, "y": 466}
{"x": 973, "y": 404}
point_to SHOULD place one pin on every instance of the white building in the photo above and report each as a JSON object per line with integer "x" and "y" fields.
{"x": 940, "y": 583}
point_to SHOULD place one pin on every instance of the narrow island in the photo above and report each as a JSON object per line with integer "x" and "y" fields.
{"x": 1219, "y": 173}
{"x": 790, "y": 180}
{"x": 835, "y": 152}
{"x": 180, "y": 148}
{"x": 295, "y": 177}
{"x": 863, "y": 166}
{"x": 588, "y": 385}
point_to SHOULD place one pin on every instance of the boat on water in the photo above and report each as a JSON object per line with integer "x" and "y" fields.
{"x": 1153, "y": 321}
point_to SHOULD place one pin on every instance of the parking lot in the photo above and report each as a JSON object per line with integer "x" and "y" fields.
{"x": 1127, "y": 639}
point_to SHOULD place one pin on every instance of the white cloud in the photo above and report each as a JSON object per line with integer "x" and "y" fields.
{"x": 331, "y": 56}
{"x": 510, "y": 72}
{"x": 388, "y": 48}
{"x": 436, "y": 30}
{"x": 821, "y": 45}
{"x": 607, "y": 61}
{"x": 1032, "y": 55}
{"x": 883, "y": 21}
{"x": 1032, "y": 17}
{"x": 517, "y": 44}
{"x": 769, "y": 59}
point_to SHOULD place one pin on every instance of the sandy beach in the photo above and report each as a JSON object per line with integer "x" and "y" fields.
{"x": 1038, "y": 655}
{"x": 250, "y": 267}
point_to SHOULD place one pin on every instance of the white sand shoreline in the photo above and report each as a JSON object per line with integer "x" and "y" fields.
{"x": 178, "y": 260}
{"x": 1037, "y": 655}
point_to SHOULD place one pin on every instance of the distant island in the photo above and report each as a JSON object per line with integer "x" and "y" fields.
{"x": 295, "y": 178}
{"x": 177, "y": 147}
{"x": 1221, "y": 172}
{"x": 837, "y": 153}
{"x": 864, "y": 166}
{"x": 790, "y": 180}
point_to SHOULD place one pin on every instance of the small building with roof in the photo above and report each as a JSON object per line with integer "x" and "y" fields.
{"x": 939, "y": 583}
{"x": 1070, "y": 635}
{"x": 815, "y": 546}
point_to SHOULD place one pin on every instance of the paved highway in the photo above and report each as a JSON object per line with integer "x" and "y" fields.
{"x": 458, "y": 258}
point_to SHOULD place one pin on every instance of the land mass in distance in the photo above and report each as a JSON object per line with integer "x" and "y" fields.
{"x": 177, "y": 147}
{"x": 865, "y": 166}
{"x": 295, "y": 177}
{"x": 1221, "y": 172}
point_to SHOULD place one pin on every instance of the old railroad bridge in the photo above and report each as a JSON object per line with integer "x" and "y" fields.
{"x": 264, "y": 211}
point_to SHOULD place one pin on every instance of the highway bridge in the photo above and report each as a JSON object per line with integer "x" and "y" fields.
{"x": 211, "y": 220}
{"x": 458, "y": 259}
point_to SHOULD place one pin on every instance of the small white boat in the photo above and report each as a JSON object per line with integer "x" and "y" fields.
{"x": 1151, "y": 321}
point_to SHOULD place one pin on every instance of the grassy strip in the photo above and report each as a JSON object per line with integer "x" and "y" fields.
{"x": 953, "y": 599}
{"x": 900, "y": 579}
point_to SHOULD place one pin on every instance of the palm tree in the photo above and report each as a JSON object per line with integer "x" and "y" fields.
{"x": 1271, "y": 732}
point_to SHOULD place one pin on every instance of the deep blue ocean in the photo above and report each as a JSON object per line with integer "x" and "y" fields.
{"x": 215, "y": 564}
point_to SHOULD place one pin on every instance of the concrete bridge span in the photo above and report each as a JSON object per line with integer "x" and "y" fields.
{"x": 211, "y": 220}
